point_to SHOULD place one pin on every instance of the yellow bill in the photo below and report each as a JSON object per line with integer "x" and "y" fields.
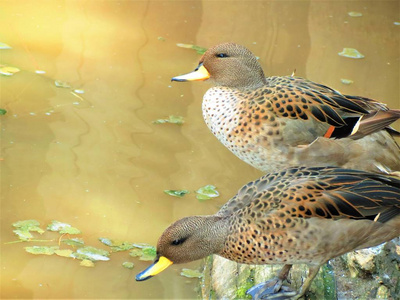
{"x": 199, "y": 74}
{"x": 157, "y": 267}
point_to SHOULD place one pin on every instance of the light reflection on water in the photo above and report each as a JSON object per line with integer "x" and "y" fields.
{"x": 96, "y": 161}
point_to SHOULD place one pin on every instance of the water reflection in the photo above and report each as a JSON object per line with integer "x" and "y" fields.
{"x": 95, "y": 160}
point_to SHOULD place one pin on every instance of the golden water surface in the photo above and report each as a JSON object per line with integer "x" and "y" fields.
{"x": 96, "y": 161}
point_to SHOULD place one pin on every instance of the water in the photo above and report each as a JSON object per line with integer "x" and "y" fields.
{"x": 96, "y": 160}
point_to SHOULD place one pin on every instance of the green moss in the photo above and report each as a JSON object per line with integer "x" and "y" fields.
{"x": 241, "y": 291}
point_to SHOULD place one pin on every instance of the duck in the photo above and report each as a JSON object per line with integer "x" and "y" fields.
{"x": 300, "y": 215}
{"x": 282, "y": 121}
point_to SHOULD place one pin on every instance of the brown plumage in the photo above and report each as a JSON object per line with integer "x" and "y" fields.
{"x": 276, "y": 122}
{"x": 299, "y": 215}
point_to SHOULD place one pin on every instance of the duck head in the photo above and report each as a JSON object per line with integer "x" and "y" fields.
{"x": 230, "y": 65}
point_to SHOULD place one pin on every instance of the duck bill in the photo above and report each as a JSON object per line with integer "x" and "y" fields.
{"x": 199, "y": 74}
{"x": 157, "y": 267}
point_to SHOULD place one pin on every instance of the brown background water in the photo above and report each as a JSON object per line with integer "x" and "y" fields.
{"x": 98, "y": 163}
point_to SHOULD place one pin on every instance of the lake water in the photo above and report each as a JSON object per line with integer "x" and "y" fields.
{"x": 96, "y": 160}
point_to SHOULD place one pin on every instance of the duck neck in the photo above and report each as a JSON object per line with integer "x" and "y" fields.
{"x": 215, "y": 233}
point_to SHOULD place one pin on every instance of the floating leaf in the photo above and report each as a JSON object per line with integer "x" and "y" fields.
{"x": 189, "y": 273}
{"x": 116, "y": 246}
{"x": 171, "y": 119}
{"x": 28, "y": 225}
{"x": 4, "y": 46}
{"x": 144, "y": 252}
{"x": 62, "y": 84}
{"x": 70, "y": 230}
{"x": 23, "y": 234}
{"x": 198, "y": 49}
{"x": 44, "y": 250}
{"x": 62, "y": 227}
{"x": 128, "y": 265}
{"x": 57, "y": 225}
{"x": 64, "y": 252}
{"x": 207, "y": 192}
{"x": 8, "y": 71}
{"x": 87, "y": 263}
{"x": 346, "y": 81}
{"x": 351, "y": 52}
{"x": 2, "y": 112}
{"x": 176, "y": 193}
{"x": 74, "y": 242}
{"x": 355, "y": 14}
{"x": 91, "y": 253}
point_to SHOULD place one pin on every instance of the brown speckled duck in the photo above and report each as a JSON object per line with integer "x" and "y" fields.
{"x": 299, "y": 215}
{"x": 276, "y": 122}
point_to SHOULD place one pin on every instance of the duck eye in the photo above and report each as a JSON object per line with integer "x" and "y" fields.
{"x": 222, "y": 55}
{"x": 177, "y": 242}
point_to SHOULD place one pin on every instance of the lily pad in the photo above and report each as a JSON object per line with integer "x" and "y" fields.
{"x": 144, "y": 252}
{"x": 346, "y": 81}
{"x": 62, "y": 227}
{"x": 43, "y": 250}
{"x": 8, "y": 71}
{"x": 74, "y": 242}
{"x": 355, "y": 14}
{"x": 128, "y": 264}
{"x": 351, "y": 53}
{"x": 2, "y": 112}
{"x": 28, "y": 225}
{"x": 176, "y": 193}
{"x": 207, "y": 192}
{"x": 64, "y": 252}
{"x": 198, "y": 49}
{"x": 23, "y": 234}
{"x": 4, "y": 46}
{"x": 87, "y": 263}
{"x": 171, "y": 119}
{"x": 91, "y": 253}
{"x": 189, "y": 273}
{"x": 116, "y": 246}
{"x": 62, "y": 84}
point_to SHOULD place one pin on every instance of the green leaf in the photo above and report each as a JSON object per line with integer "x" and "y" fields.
{"x": 128, "y": 264}
{"x": 28, "y": 225}
{"x": 44, "y": 250}
{"x": 91, "y": 253}
{"x": 62, "y": 227}
{"x": 74, "y": 242}
{"x": 115, "y": 245}
{"x": 2, "y": 112}
{"x": 351, "y": 53}
{"x": 87, "y": 263}
{"x": 144, "y": 252}
{"x": 198, "y": 49}
{"x": 64, "y": 252}
{"x": 354, "y": 14}
{"x": 176, "y": 193}
{"x": 206, "y": 192}
{"x": 171, "y": 119}
{"x": 70, "y": 230}
{"x": 4, "y": 46}
{"x": 62, "y": 84}
{"x": 8, "y": 71}
{"x": 346, "y": 81}
{"x": 189, "y": 273}
{"x": 57, "y": 226}
{"x": 23, "y": 234}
